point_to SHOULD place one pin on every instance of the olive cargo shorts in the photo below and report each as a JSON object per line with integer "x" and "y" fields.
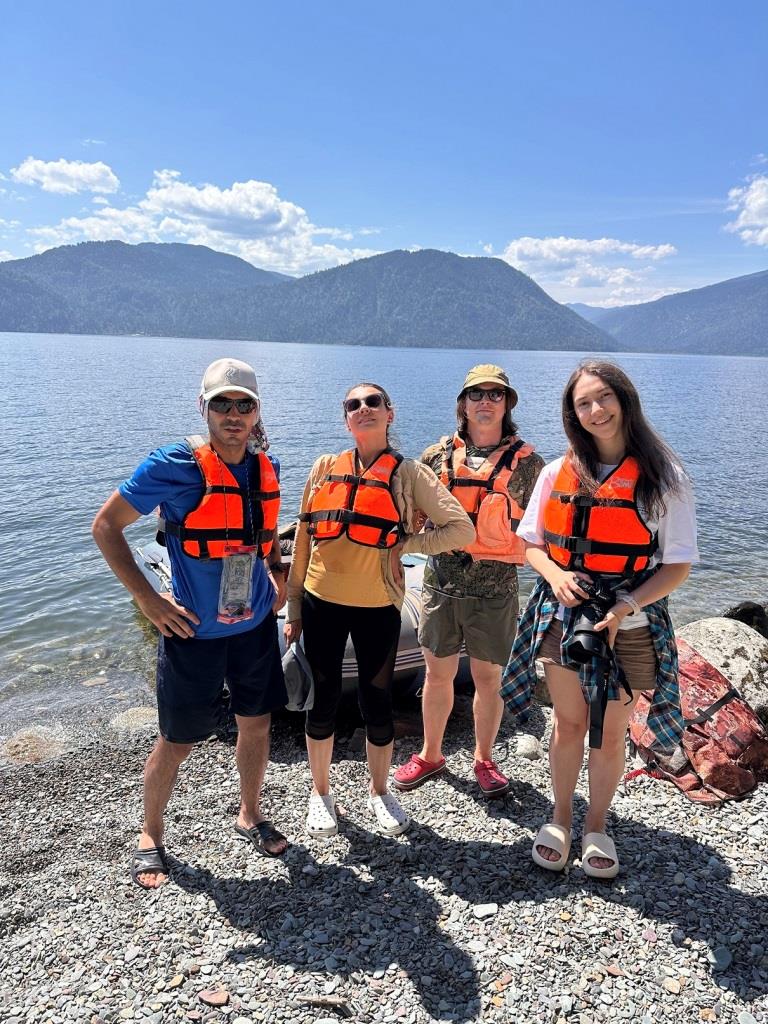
{"x": 486, "y": 625}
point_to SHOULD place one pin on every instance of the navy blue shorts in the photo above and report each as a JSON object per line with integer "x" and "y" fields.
{"x": 191, "y": 674}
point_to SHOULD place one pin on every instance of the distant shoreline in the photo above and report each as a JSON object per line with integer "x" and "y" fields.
{"x": 618, "y": 354}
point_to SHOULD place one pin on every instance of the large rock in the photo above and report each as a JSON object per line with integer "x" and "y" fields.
{"x": 31, "y": 746}
{"x": 139, "y": 719}
{"x": 737, "y": 651}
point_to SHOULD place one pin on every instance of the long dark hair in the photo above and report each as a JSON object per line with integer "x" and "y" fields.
{"x": 508, "y": 425}
{"x": 391, "y": 438}
{"x": 658, "y": 463}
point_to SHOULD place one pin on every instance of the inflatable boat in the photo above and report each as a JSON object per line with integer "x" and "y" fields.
{"x": 152, "y": 559}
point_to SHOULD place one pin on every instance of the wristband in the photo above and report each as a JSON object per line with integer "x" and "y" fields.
{"x": 627, "y": 598}
{"x": 278, "y": 567}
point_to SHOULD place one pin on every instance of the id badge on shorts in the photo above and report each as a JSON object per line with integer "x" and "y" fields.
{"x": 236, "y": 589}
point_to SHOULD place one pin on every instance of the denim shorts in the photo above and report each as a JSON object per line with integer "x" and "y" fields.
{"x": 191, "y": 674}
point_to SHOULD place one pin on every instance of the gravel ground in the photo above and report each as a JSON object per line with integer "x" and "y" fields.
{"x": 450, "y": 922}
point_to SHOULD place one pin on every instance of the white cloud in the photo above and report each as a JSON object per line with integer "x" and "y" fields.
{"x": 632, "y": 296}
{"x": 750, "y": 203}
{"x": 130, "y": 225}
{"x": 92, "y": 142}
{"x": 604, "y": 271}
{"x": 5, "y": 255}
{"x": 568, "y": 251}
{"x": 100, "y": 201}
{"x": 248, "y": 219}
{"x": 66, "y": 177}
{"x": 247, "y": 208}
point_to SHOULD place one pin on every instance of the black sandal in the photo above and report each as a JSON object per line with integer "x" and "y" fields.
{"x": 152, "y": 859}
{"x": 262, "y": 833}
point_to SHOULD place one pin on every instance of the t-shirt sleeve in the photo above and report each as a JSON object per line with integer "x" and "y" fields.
{"x": 275, "y": 464}
{"x": 157, "y": 478}
{"x": 531, "y": 527}
{"x": 677, "y": 526}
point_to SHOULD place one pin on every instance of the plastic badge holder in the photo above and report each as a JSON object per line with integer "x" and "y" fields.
{"x": 236, "y": 589}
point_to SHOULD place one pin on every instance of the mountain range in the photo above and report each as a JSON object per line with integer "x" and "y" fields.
{"x": 423, "y": 298}
{"x": 729, "y": 317}
{"x": 428, "y": 298}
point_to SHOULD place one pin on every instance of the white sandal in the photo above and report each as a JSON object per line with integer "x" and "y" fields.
{"x": 554, "y": 837}
{"x": 390, "y": 816}
{"x": 598, "y": 844}
{"x": 321, "y": 816}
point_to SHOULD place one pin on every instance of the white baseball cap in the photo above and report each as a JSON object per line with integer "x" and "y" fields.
{"x": 229, "y": 375}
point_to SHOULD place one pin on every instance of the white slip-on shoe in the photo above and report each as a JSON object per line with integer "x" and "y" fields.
{"x": 321, "y": 816}
{"x": 390, "y": 816}
{"x": 554, "y": 837}
{"x": 598, "y": 844}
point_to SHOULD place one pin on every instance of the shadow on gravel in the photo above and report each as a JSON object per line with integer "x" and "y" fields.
{"x": 705, "y": 908}
{"x": 330, "y": 918}
{"x": 522, "y": 803}
{"x": 333, "y": 919}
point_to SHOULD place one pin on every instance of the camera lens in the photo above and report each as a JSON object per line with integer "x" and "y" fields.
{"x": 586, "y": 643}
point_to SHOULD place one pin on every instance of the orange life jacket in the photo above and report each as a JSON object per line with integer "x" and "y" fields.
{"x": 484, "y": 495}
{"x": 359, "y": 504}
{"x": 220, "y": 518}
{"x": 601, "y": 532}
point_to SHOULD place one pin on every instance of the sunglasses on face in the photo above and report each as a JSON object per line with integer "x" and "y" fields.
{"x": 224, "y": 405}
{"x": 371, "y": 401}
{"x": 478, "y": 394}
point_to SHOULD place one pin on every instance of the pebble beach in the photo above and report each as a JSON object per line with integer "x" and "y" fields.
{"x": 450, "y": 922}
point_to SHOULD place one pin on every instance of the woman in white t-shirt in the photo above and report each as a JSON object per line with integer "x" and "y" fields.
{"x": 618, "y": 508}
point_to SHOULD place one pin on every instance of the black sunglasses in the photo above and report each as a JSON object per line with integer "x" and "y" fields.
{"x": 224, "y": 405}
{"x": 478, "y": 394}
{"x": 372, "y": 401}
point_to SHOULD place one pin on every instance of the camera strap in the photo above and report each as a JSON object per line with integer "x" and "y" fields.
{"x": 599, "y": 699}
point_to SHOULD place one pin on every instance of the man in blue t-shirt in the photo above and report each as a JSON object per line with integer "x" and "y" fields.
{"x": 218, "y": 502}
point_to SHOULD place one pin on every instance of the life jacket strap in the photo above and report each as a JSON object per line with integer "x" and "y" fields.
{"x": 221, "y": 489}
{"x": 255, "y": 495}
{"x": 580, "y": 546}
{"x": 264, "y": 495}
{"x": 483, "y": 485}
{"x": 589, "y": 501}
{"x": 355, "y": 480}
{"x": 506, "y": 460}
{"x": 345, "y": 515}
{"x": 199, "y": 533}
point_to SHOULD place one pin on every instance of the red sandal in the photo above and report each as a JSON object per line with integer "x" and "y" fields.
{"x": 490, "y": 780}
{"x": 416, "y": 771}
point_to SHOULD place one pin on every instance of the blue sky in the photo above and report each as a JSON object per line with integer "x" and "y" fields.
{"x": 613, "y": 151}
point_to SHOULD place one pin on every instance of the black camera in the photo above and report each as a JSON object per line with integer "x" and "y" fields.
{"x": 587, "y": 642}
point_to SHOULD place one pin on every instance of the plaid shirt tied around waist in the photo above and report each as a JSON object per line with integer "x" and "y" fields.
{"x": 599, "y": 680}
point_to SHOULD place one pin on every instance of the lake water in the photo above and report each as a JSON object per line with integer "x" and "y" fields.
{"x": 78, "y": 413}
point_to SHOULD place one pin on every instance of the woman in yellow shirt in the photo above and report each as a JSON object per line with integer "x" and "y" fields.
{"x": 360, "y": 512}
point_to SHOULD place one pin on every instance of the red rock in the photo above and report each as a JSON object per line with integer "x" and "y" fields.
{"x": 214, "y": 996}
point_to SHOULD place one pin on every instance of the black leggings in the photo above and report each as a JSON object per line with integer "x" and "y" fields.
{"x": 375, "y": 634}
